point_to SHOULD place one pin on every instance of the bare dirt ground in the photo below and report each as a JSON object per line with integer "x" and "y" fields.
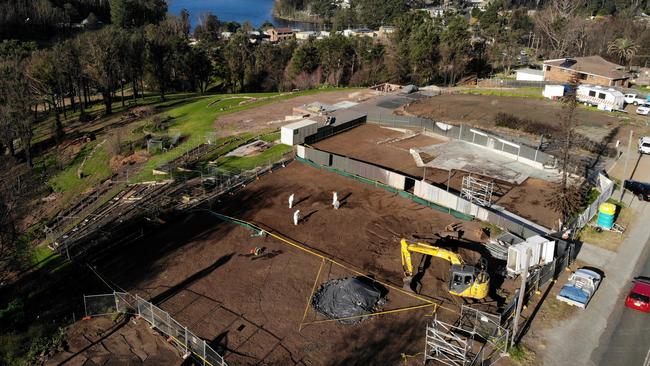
{"x": 199, "y": 269}
{"x": 480, "y": 110}
{"x": 528, "y": 199}
{"x": 100, "y": 341}
{"x": 272, "y": 115}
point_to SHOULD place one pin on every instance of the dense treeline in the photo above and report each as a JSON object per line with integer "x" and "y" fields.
{"x": 40, "y": 19}
{"x": 373, "y": 13}
{"x": 147, "y": 49}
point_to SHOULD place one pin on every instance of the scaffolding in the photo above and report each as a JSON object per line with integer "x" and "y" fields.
{"x": 477, "y": 190}
{"x": 476, "y": 339}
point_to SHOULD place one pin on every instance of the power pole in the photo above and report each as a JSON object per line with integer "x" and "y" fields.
{"x": 520, "y": 300}
{"x": 627, "y": 157}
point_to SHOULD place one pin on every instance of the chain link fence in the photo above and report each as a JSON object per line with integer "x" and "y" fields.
{"x": 122, "y": 302}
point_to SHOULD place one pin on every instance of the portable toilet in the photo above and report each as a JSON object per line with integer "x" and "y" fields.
{"x": 606, "y": 213}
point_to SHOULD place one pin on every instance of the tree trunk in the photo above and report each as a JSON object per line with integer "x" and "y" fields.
{"x": 81, "y": 105}
{"x": 58, "y": 127}
{"x": 65, "y": 114}
{"x": 134, "y": 84}
{"x": 142, "y": 88}
{"x": 122, "y": 91}
{"x": 108, "y": 101}
{"x": 27, "y": 147}
{"x": 72, "y": 93}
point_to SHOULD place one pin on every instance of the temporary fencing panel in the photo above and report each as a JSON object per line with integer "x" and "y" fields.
{"x": 99, "y": 304}
{"x": 606, "y": 190}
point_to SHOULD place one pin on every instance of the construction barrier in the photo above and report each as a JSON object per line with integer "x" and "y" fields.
{"x": 123, "y": 302}
{"x": 423, "y": 193}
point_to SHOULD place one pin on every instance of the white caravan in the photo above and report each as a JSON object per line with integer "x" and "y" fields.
{"x": 605, "y": 99}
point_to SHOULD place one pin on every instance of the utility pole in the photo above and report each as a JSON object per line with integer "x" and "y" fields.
{"x": 627, "y": 157}
{"x": 520, "y": 300}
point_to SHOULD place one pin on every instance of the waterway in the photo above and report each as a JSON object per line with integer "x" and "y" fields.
{"x": 254, "y": 11}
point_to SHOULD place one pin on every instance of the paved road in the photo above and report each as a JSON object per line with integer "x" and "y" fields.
{"x": 629, "y": 343}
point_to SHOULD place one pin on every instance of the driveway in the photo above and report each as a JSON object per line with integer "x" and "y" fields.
{"x": 626, "y": 341}
{"x": 591, "y": 335}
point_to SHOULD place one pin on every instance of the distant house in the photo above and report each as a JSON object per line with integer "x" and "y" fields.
{"x": 527, "y": 74}
{"x": 362, "y": 32}
{"x": 280, "y": 34}
{"x": 435, "y": 11}
{"x": 481, "y": 4}
{"x": 305, "y": 35}
{"x": 590, "y": 70}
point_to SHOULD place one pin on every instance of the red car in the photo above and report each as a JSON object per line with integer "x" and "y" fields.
{"x": 639, "y": 297}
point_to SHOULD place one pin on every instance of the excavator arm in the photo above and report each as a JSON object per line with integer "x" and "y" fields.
{"x": 427, "y": 249}
{"x": 465, "y": 281}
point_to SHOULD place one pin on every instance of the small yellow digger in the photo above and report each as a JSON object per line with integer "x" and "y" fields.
{"x": 466, "y": 281}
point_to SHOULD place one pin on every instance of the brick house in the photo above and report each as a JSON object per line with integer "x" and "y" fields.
{"x": 590, "y": 70}
{"x": 279, "y": 34}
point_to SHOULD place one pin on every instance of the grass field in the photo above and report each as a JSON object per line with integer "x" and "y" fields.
{"x": 192, "y": 115}
{"x": 529, "y": 92}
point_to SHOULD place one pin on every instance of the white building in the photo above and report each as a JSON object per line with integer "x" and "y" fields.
{"x": 527, "y": 74}
{"x": 295, "y": 133}
{"x": 305, "y": 35}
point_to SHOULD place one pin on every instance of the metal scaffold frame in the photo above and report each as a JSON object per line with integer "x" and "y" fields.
{"x": 476, "y": 339}
{"x": 477, "y": 190}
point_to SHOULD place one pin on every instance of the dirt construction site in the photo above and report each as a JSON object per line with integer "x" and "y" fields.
{"x": 242, "y": 275}
{"x": 255, "y": 309}
{"x": 391, "y": 148}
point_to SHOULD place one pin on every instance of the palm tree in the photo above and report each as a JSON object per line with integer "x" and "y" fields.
{"x": 624, "y": 49}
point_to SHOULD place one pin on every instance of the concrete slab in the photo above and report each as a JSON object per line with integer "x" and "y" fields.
{"x": 459, "y": 155}
{"x": 253, "y": 148}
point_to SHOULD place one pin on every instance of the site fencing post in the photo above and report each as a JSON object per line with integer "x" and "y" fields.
{"x": 85, "y": 306}
{"x": 204, "y": 355}
{"x": 187, "y": 351}
{"x": 117, "y": 307}
{"x": 153, "y": 322}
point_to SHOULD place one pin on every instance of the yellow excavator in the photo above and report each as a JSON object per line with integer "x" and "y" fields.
{"x": 465, "y": 281}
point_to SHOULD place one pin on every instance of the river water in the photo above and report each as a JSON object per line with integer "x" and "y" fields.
{"x": 254, "y": 11}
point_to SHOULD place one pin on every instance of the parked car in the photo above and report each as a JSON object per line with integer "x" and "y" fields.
{"x": 639, "y": 297}
{"x": 643, "y": 110}
{"x": 635, "y": 99}
{"x": 580, "y": 288}
{"x": 640, "y": 189}
{"x": 644, "y": 145}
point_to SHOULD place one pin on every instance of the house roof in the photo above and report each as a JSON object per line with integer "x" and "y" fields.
{"x": 594, "y": 65}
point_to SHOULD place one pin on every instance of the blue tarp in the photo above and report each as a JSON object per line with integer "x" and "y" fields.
{"x": 574, "y": 293}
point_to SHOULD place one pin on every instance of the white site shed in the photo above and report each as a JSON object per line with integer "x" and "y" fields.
{"x": 528, "y": 74}
{"x": 604, "y": 98}
{"x": 542, "y": 252}
{"x": 295, "y": 133}
{"x": 553, "y": 91}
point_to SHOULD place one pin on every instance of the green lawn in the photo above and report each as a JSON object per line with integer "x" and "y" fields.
{"x": 95, "y": 170}
{"x": 528, "y": 92}
{"x": 194, "y": 120}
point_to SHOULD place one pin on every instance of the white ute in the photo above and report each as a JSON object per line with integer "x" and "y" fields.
{"x": 580, "y": 288}
{"x": 634, "y": 99}
{"x": 644, "y": 145}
